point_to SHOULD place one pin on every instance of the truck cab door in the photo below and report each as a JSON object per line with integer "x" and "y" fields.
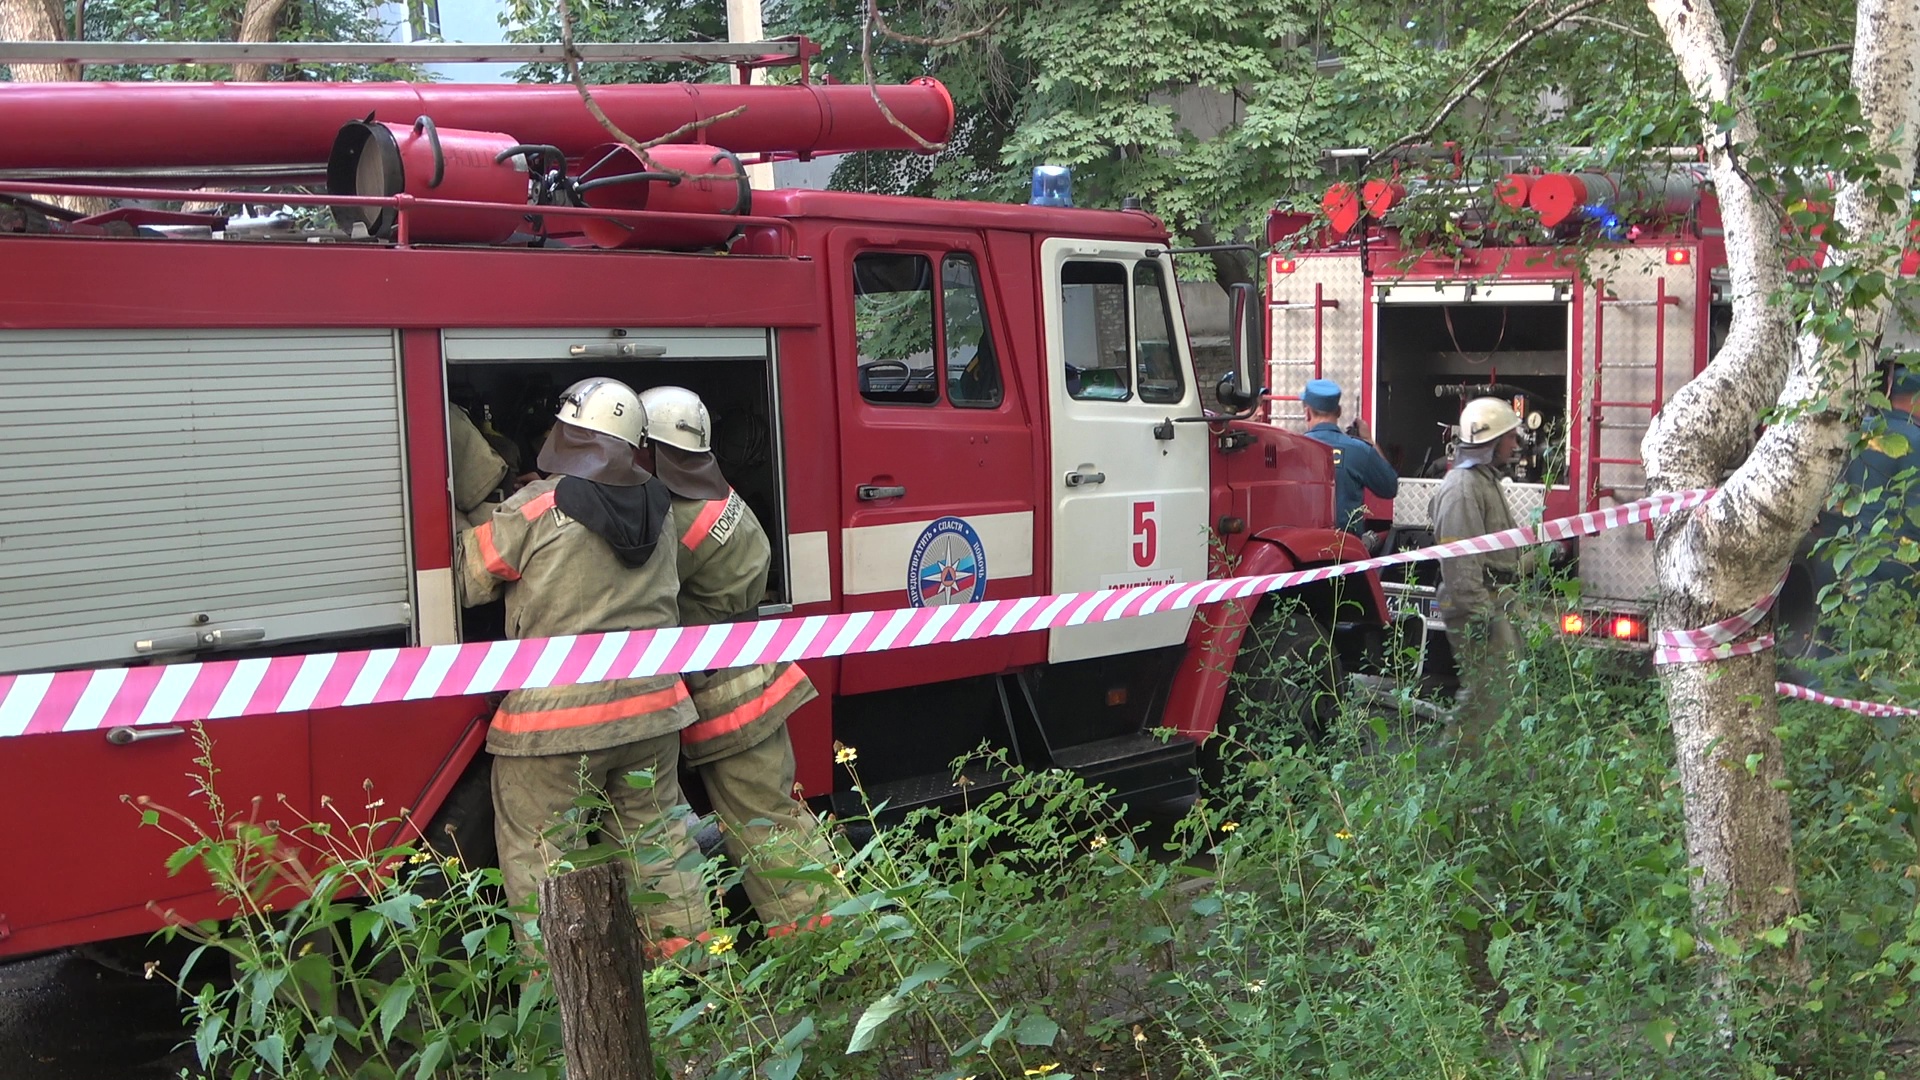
{"x": 1129, "y": 483}
{"x": 936, "y": 455}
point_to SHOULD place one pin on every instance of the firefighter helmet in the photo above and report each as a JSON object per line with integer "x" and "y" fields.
{"x": 677, "y": 417}
{"x": 1486, "y": 419}
{"x": 606, "y": 406}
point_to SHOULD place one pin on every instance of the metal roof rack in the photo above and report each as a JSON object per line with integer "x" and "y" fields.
{"x": 751, "y": 53}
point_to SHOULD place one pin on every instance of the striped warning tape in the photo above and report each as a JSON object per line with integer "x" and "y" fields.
{"x": 1716, "y": 642}
{"x": 1867, "y": 708}
{"x": 98, "y": 698}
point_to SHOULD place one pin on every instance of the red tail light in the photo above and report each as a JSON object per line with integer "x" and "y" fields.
{"x": 1573, "y": 623}
{"x": 1626, "y": 628}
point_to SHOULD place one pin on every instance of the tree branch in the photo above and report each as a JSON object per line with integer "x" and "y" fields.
{"x": 1746, "y": 23}
{"x": 875, "y": 21}
{"x": 572, "y": 57}
{"x": 1619, "y": 28}
{"x": 1808, "y": 54}
{"x": 1485, "y": 72}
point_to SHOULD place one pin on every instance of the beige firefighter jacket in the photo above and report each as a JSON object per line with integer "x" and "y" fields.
{"x": 1470, "y": 503}
{"x": 560, "y": 578}
{"x": 724, "y": 556}
{"x": 477, "y": 470}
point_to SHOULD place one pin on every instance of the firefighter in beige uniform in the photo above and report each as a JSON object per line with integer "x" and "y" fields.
{"x": 1474, "y": 589}
{"x": 583, "y": 551}
{"x": 739, "y": 745}
{"x": 478, "y": 471}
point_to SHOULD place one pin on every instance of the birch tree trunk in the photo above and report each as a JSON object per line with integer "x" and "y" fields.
{"x": 36, "y": 20}
{"x": 1730, "y": 552}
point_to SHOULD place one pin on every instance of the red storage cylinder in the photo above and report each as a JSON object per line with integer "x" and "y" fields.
{"x": 1512, "y": 190}
{"x": 687, "y": 179}
{"x": 427, "y": 162}
{"x": 1342, "y": 207}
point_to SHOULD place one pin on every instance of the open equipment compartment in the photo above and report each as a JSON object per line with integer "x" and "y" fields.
{"x": 510, "y": 381}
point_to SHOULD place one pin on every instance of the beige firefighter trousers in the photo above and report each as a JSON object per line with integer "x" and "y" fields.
{"x": 1483, "y": 653}
{"x": 531, "y": 793}
{"x": 766, "y": 828}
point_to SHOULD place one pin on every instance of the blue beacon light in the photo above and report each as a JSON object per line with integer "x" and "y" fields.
{"x": 1052, "y": 186}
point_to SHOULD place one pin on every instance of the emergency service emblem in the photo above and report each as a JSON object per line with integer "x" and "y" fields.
{"x": 949, "y": 565}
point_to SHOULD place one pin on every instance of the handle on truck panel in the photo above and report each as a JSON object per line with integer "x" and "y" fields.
{"x": 195, "y": 639}
{"x": 127, "y": 736}
{"x": 870, "y": 492}
{"x": 1077, "y": 479}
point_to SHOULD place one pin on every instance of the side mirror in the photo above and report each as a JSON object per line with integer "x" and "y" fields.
{"x": 1239, "y": 389}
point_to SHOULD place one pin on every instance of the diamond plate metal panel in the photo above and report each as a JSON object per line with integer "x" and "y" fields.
{"x": 1617, "y": 566}
{"x": 1410, "y": 507}
{"x": 1293, "y": 318}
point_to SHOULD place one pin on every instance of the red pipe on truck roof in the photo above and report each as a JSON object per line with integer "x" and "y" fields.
{"x": 1666, "y": 193}
{"x": 178, "y": 125}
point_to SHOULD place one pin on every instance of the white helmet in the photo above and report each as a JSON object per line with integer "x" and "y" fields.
{"x": 606, "y": 406}
{"x": 1486, "y": 419}
{"x": 677, "y": 417}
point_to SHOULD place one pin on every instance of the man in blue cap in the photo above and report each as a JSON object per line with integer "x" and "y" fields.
{"x": 1357, "y": 463}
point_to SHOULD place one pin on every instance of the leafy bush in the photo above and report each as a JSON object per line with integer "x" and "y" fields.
{"x": 1373, "y": 904}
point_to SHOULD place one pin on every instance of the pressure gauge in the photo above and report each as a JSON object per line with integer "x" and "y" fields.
{"x": 1534, "y": 421}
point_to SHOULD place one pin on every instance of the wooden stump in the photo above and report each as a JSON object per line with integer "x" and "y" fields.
{"x": 594, "y": 957}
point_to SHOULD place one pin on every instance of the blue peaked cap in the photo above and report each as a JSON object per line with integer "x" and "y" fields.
{"x": 1321, "y": 395}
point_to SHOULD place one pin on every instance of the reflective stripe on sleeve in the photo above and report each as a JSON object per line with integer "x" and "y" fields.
{"x": 490, "y": 555}
{"x": 537, "y": 505}
{"x": 746, "y": 712}
{"x": 583, "y": 715}
{"x": 710, "y": 512}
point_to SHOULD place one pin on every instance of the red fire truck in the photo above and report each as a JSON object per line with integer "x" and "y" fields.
{"x": 227, "y": 437}
{"x": 1588, "y": 299}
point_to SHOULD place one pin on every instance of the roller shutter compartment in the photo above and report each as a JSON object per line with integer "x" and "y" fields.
{"x": 161, "y": 486}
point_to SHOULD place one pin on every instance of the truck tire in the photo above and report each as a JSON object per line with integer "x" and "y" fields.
{"x": 463, "y": 825}
{"x": 1287, "y": 681}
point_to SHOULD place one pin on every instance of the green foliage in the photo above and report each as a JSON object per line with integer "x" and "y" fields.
{"x": 620, "y": 20}
{"x": 219, "y": 20}
{"x": 351, "y": 955}
{"x": 1376, "y": 903}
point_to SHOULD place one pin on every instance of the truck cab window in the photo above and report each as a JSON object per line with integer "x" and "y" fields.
{"x": 1158, "y": 374}
{"x": 893, "y": 328}
{"x": 1093, "y": 313}
{"x": 973, "y": 372}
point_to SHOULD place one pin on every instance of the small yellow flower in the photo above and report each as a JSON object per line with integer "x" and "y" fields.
{"x": 1097, "y": 843}
{"x": 844, "y": 754}
{"x": 1044, "y": 1069}
{"x": 720, "y": 943}
{"x": 1343, "y": 835}
{"x": 452, "y": 864}
{"x": 418, "y": 857}
{"x": 1229, "y": 826}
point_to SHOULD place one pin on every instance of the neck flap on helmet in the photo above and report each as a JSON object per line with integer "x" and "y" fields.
{"x": 688, "y": 474}
{"x": 591, "y": 455}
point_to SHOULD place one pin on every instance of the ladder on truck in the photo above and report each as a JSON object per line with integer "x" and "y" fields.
{"x": 1606, "y": 476}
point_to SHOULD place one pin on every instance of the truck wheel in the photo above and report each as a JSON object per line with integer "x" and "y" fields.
{"x": 463, "y": 825}
{"x": 1287, "y": 680}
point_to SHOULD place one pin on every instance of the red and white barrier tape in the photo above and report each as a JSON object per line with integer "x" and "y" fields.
{"x": 1716, "y": 642}
{"x": 182, "y": 693}
{"x": 1866, "y": 708}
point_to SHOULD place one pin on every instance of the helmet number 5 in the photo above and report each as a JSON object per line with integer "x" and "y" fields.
{"x": 1146, "y": 534}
